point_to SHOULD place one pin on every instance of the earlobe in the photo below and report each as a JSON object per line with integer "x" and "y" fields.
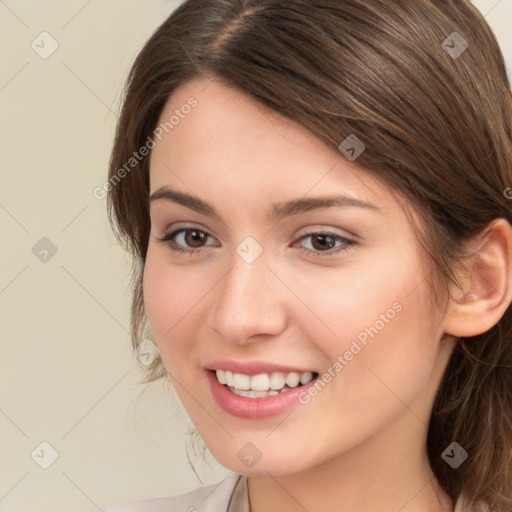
{"x": 487, "y": 284}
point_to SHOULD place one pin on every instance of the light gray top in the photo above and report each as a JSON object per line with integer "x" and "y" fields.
{"x": 228, "y": 495}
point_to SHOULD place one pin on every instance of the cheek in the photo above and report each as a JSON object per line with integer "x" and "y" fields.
{"x": 160, "y": 302}
{"x": 377, "y": 321}
{"x": 172, "y": 299}
{"x": 159, "y": 297}
{"x": 345, "y": 302}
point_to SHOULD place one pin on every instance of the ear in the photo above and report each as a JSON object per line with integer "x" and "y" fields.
{"x": 486, "y": 283}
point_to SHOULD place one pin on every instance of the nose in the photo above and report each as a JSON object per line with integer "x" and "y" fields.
{"x": 248, "y": 303}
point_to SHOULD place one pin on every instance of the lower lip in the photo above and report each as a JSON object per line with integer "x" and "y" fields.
{"x": 254, "y": 408}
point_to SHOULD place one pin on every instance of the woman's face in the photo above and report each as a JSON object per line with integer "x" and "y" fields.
{"x": 267, "y": 285}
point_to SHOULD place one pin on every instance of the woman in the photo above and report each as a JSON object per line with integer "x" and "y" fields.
{"x": 315, "y": 194}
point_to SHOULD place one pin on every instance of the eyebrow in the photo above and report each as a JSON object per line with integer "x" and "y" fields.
{"x": 278, "y": 210}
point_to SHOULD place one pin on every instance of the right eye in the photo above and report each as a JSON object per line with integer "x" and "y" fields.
{"x": 191, "y": 237}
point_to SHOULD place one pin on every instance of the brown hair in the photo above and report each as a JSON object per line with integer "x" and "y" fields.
{"x": 437, "y": 125}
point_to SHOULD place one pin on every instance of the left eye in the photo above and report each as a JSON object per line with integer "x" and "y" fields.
{"x": 322, "y": 239}
{"x": 323, "y": 243}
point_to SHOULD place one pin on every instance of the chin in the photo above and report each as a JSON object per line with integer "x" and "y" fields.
{"x": 244, "y": 457}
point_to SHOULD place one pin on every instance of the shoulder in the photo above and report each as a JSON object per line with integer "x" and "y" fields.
{"x": 214, "y": 497}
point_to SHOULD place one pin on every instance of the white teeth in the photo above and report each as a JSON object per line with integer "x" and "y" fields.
{"x": 305, "y": 377}
{"x": 241, "y": 381}
{"x": 292, "y": 379}
{"x": 221, "y": 376}
{"x": 277, "y": 380}
{"x": 260, "y": 382}
{"x": 253, "y": 394}
{"x": 228, "y": 377}
{"x": 263, "y": 381}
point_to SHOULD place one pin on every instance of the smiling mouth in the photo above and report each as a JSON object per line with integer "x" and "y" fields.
{"x": 262, "y": 384}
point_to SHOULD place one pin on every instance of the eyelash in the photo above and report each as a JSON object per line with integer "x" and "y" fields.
{"x": 167, "y": 239}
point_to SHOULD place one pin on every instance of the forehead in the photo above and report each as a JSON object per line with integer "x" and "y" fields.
{"x": 228, "y": 141}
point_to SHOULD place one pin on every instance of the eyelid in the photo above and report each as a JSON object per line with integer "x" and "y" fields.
{"x": 173, "y": 227}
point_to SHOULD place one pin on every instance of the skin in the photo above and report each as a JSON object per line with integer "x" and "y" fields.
{"x": 360, "y": 444}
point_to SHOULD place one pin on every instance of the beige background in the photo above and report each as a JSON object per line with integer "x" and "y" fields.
{"x": 68, "y": 376}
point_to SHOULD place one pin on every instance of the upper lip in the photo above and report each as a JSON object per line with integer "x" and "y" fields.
{"x": 253, "y": 367}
